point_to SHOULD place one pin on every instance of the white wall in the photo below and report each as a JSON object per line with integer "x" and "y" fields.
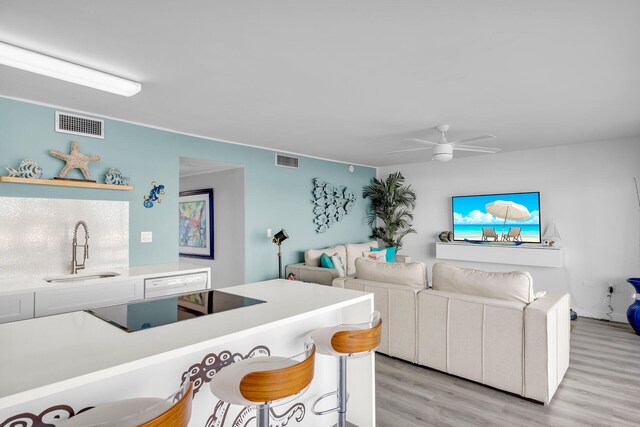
{"x": 587, "y": 189}
{"x": 227, "y": 269}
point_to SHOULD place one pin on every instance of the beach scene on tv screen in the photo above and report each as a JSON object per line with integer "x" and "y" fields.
{"x": 497, "y": 218}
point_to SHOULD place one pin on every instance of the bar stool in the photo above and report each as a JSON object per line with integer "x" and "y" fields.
{"x": 346, "y": 342}
{"x": 139, "y": 412}
{"x": 262, "y": 382}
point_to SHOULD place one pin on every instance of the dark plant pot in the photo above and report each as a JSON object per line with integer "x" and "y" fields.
{"x": 633, "y": 312}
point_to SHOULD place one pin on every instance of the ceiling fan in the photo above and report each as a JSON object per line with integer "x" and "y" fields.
{"x": 443, "y": 150}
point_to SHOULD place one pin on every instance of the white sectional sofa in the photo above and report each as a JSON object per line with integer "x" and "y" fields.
{"x": 486, "y": 327}
{"x": 310, "y": 270}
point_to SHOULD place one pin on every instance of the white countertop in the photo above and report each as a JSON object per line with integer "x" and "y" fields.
{"x": 35, "y": 284}
{"x": 84, "y": 348}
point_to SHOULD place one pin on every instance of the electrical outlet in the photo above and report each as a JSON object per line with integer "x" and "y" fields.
{"x": 146, "y": 237}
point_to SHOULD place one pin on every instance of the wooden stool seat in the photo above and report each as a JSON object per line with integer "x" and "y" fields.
{"x": 225, "y": 385}
{"x": 349, "y": 340}
{"x": 138, "y": 412}
{"x": 262, "y": 380}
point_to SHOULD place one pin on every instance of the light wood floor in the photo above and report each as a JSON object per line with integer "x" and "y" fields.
{"x": 601, "y": 388}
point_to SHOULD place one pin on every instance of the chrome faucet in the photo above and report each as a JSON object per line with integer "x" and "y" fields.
{"x": 74, "y": 252}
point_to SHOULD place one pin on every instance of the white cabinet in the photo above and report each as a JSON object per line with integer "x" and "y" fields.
{"x": 136, "y": 284}
{"x": 76, "y": 298}
{"x": 541, "y": 256}
{"x": 16, "y": 307}
{"x": 178, "y": 284}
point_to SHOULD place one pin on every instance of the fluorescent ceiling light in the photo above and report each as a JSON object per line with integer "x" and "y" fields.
{"x": 34, "y": 62}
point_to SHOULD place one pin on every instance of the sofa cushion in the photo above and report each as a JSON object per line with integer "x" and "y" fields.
{"x": 312, "y": 256}
{"x": 377, "y": 256}
{"x": 355, "y": 251}
{"x": 412, "y": 273}
{"x": 511, "y": 286}
{"x": 325, "y": 261}
{"x": 338, "y": 264}
{"x": 391, "y": 252}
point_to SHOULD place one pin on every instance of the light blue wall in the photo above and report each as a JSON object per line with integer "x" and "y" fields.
{"x": 275, "y": 197}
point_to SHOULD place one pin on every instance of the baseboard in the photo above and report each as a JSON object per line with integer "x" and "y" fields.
{"x": 601, "y": 315}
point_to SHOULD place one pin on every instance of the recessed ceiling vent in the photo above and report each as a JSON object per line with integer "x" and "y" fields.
{"x": 79, "y": 125}
{"x": 286, "y": 161}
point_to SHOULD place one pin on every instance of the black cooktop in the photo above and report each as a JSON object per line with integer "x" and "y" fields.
{"x": 135, "y": 316}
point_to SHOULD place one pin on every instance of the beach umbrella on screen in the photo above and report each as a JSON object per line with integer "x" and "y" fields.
{"x": 508, "y": 210}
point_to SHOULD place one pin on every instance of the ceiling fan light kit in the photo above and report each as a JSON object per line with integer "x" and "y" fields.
{"x": 443, "y": 150}
{"x": 34, "y": 62}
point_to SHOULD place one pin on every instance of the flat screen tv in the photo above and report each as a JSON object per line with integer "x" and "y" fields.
{"x": 497, "y": 217}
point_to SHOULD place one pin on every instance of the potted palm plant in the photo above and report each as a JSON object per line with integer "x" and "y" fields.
{"x": 392, "y": 203}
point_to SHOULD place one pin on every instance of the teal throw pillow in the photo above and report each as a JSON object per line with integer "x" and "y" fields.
{"x": 325, "y": 261}
{"x": 391, "y": 253}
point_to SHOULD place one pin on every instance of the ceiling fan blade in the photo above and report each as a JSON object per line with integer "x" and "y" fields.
{"x": 409, "y": 150}
{"x": 476, "y": 149}
{"x": 421, "y": 141}
{"x": 475, "y": 138}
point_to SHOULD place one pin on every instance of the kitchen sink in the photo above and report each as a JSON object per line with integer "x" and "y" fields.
{"x": 81, "y": 277}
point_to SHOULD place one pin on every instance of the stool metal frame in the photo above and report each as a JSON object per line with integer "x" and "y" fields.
{"x": 349, "y": 341}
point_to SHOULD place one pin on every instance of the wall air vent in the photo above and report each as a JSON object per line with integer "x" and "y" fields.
{"x": 286, "y": 161}
{"x": 79, "y": 125}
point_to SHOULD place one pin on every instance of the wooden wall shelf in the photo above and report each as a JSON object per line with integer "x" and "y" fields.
{"x": 65, "y": 183}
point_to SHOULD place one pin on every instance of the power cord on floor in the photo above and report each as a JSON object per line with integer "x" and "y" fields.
{"x": 609, "y": 294}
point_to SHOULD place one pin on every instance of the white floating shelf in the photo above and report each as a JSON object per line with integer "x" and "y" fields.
{"x": 539, "y": 256}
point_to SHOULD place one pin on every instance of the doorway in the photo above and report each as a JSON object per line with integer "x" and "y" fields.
{"x": 227, "y": 182}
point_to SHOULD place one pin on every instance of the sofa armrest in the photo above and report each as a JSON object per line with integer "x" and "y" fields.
{"x": 403, "y": 259}
{"x": 547, "y": 345}
{"x": 305, "y": 273}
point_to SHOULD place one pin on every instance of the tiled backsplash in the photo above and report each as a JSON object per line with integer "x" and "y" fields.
{"x": 36, "y": 235}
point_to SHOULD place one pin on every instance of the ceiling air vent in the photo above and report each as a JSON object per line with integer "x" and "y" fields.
{"x": 79, "y": 125}
{"x": 286, "y": 161}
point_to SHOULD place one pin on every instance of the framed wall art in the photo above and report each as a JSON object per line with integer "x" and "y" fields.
{"x": 195, "y": 219}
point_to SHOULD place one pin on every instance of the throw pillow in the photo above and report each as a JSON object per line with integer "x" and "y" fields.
{"x": 391, "y": 252}
{"x": 338, "y": 265}
{"x": 377, "y": 256}
{"x": 325, "y": 261}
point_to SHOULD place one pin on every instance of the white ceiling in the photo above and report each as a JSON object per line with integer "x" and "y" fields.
{"x": 346, "y": 80}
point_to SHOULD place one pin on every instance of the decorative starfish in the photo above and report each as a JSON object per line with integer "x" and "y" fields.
{"x": 75, "y": 160}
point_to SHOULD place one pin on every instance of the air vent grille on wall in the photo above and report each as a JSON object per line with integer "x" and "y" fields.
{"x": 286, "y": 161}
{"x": 79, "y": 125}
